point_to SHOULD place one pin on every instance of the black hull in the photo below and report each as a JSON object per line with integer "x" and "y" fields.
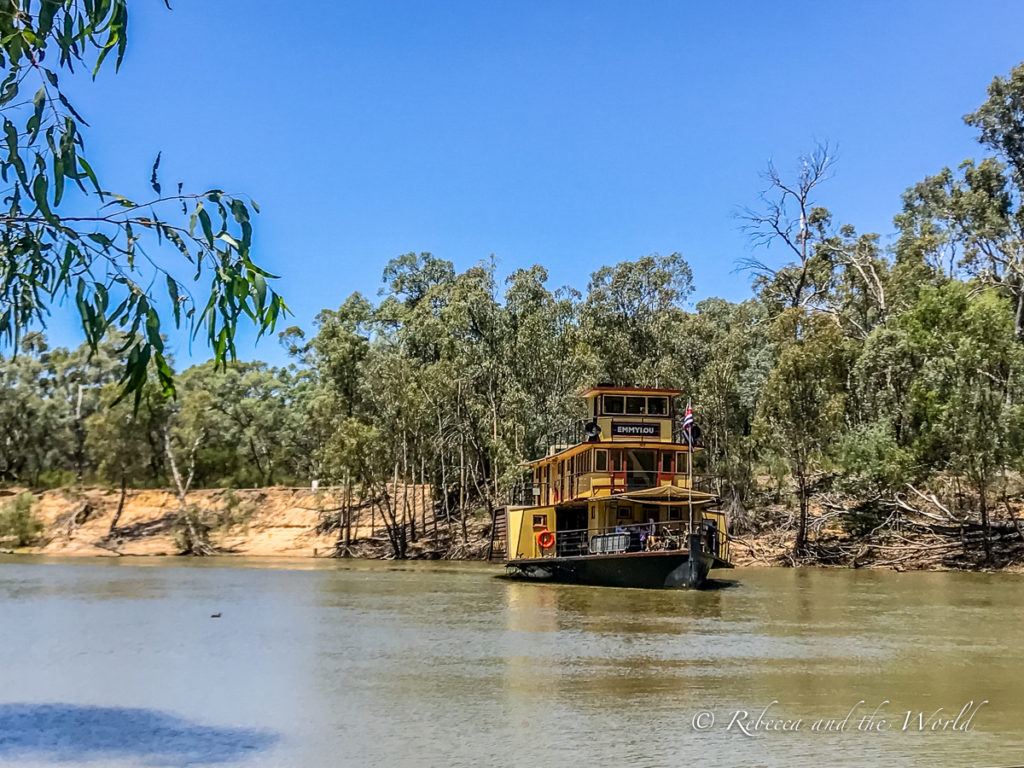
{"x": 643, "y": 570}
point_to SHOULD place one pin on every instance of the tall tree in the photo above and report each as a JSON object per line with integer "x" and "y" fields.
{"x": 790, "y": 216}
{"x": 801, "y": 405}
{"x": 629, "y": 312}
{"x": 109, "y": 260}
{"x": 30, "y": 416}
{"x": 964, "y": 405}
{"x": 735, "y": 359}
{"x": 971, "y": 221}
{"x": 125, "y": 441}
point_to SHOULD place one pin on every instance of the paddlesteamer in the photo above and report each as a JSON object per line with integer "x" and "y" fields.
{"x": 618, "y": 506}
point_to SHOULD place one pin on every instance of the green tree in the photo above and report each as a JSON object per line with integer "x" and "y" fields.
{"x": 801, "y": 405}
{"x": 972, "y": 221}
{"x": 79, "y": 376}
{"x": 18, "y": 523}
{"x": 964, "y": 406}
{"x": 29, "y": 416}
{"x": 1000, "y": 120}
{"x": 969, "y": 223}
{"x": 111, "y": 259}
{"x": 542, "y": 347}
{"x": 240, "y": 416}
{"x": 629, "y": 312}
{"x": 125, "y": 441}
{"x": 735, "y": 357}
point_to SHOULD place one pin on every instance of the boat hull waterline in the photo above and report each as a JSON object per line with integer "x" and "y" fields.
{"x": 643, "y": 570}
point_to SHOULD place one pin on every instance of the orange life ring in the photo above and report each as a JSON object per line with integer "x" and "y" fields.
{"x": 546, "y": 539}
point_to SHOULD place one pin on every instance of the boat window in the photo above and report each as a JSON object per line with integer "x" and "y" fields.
{"x": 675, "y": 513}
{"x": 601, "y": 461}
{"x": 613, "y": 403}
{"x": 666, "y": 462}
{"x": 657, "y": 406}
{"x": 540, "y": 521}
{"x": 642, "y": 470}
{"x": 636, "y": 405}
{"x": 681, "y": 462}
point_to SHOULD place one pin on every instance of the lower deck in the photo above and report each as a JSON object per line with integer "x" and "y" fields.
{"x": 653, "y": 521}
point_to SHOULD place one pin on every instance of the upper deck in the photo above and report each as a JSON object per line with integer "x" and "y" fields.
{"x": 629, "y": 446}
{"x": 630, "y": 413}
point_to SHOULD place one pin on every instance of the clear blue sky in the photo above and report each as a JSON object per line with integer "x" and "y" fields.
{"x": 570, "y": 134}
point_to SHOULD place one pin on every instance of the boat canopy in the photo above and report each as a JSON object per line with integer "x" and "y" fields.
{"x": 666, "y": 494}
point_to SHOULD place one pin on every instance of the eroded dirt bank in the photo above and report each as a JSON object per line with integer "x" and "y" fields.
{"x": 286, "y": 522}
{"x": 298, "y": 522}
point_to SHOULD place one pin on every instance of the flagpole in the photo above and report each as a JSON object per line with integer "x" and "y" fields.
{"x": 689, "y": 464}
{"x": 693, "y": 573}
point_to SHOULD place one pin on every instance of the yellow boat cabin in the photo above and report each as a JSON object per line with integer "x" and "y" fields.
{"x": 618, "y": 505}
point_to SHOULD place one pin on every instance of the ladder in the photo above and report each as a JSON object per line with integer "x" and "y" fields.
{"x": 499, "y": 531}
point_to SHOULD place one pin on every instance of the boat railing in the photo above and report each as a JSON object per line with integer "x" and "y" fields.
{"x": 526, "y": 493}
{"x": 668, "y": 536}
{"x": 619, "y": 481}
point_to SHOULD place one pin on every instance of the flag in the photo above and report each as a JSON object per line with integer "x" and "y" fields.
{"x": 688, "y": 423}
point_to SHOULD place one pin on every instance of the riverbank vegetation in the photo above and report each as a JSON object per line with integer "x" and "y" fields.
{"x": 868, "y": 396}
{"x": 19, "y": 526}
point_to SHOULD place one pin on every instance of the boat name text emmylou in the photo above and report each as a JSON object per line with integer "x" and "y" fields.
{"x": 622, "y": 429}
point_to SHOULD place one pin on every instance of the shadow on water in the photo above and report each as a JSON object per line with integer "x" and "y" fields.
{"x": 712, "y": 584}
{"x": 75, "y": 734}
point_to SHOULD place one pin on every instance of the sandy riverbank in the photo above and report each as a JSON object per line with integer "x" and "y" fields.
{"x": 294, "y": 522}
{"x": 263, "y": 522}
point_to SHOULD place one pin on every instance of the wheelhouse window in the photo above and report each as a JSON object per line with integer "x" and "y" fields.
{"x": 614, "y": 404}
{"x": 657, "y": 406}
{"x": 636, "y": 406}
{"x": 666, "y": 463}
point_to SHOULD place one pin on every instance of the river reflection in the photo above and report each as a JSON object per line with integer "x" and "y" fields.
{"x": 355, "y": 663}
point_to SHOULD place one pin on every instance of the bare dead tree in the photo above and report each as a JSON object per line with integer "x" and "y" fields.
{"x": 788, "y": 216}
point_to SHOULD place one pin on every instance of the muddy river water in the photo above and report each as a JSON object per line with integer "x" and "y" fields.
{"x": 121, "y": 662}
